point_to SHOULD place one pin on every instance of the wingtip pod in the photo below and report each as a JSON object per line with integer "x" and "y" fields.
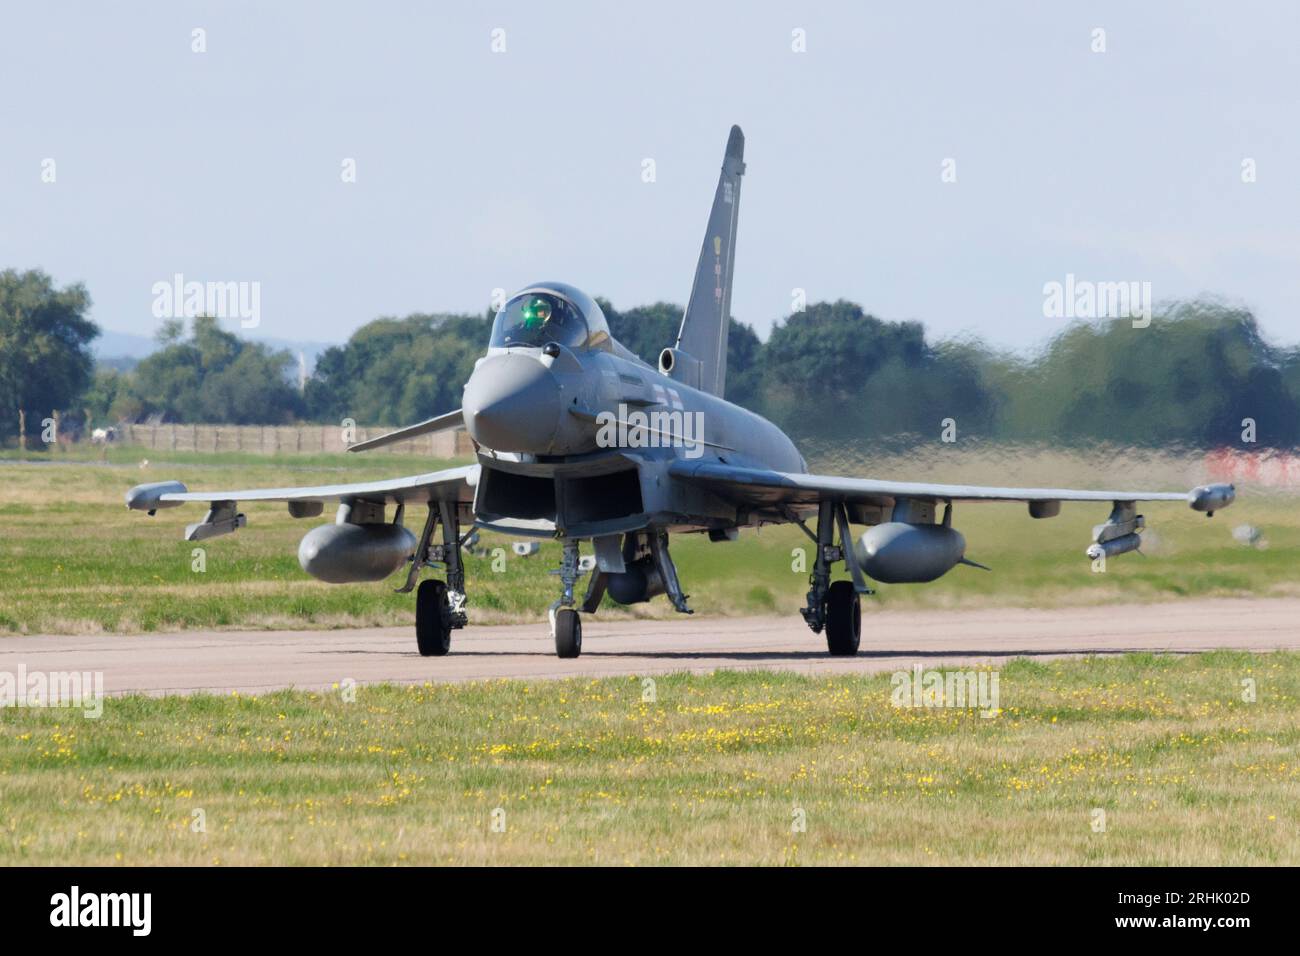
{"x": 1210, "y": 498}
{"x": 147, "y": 497}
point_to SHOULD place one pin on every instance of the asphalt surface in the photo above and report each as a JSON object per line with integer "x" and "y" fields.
{"x": 258, "y": 661}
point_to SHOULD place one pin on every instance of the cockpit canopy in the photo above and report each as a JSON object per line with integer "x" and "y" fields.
{"x": 550, "y": 312}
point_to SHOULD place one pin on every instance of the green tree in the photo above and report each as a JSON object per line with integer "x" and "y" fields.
{"x": 397, "y": 371}
{"x": 648, "y": 329}
{"x": 835, "y": 372}
{"x": 1191, "y": 377}
{"x": 215, "y": 376}
{"x": 109, "y": 399}
{"x": 45, "y": 358}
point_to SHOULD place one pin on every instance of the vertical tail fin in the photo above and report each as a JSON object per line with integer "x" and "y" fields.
{"x": 703, "y": 335}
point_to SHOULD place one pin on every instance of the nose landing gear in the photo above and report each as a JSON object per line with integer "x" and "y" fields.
{"x": 566, "y": 626}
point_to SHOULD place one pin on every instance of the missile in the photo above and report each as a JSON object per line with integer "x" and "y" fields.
{"x": 1115, "y": 546}
{"x": 1210, "y": 498}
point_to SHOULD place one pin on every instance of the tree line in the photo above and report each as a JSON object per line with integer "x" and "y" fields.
{"x": 1200, "y": 374}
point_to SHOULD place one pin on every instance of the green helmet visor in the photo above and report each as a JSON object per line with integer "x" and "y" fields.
{"x": 536, "y": 312}
{"x": 536, "y": 318}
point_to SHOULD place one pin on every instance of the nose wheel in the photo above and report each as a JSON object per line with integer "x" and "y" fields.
{"x": 566, "y": 626}
{"x": 567, "y": 630}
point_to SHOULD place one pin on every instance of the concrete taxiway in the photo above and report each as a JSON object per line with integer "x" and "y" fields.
{"x": 259, "y": 661}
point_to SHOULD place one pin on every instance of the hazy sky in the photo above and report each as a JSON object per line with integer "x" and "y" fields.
{"x": 478, "y": 170}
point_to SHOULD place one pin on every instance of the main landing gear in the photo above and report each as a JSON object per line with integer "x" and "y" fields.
{"x": 439, "y": 605}
{"x": 432, "y": 619}
{"x": 843, "y": 619}
{"x": 835, "y": 608}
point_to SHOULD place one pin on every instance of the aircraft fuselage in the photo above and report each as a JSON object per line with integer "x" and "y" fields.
{"x": 580, "y": 440}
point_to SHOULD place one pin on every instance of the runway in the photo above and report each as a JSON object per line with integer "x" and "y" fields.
{"x": 260, "y": 661}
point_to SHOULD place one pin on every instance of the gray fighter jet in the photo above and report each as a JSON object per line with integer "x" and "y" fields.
{"x": 580, "y": 440}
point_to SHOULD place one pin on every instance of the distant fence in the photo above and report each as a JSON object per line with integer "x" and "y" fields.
{"x": 286, "y": 439}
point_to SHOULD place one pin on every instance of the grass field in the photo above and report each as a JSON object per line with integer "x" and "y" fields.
{"x": 72, "y": 559}
{"x": 716, "y": 769}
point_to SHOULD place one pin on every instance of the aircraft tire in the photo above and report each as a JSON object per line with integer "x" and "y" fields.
{"x": 432, "y": 619}
{"x": 568, "y": 633}
{"x": 843, "y": 619}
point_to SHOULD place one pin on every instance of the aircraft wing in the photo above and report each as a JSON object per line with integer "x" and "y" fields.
{"x": 453, "y": 419}
{"x": 761, "y": 487}
{"x": 451, "y": 484}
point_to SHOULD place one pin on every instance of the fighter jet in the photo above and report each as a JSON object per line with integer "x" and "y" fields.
{"x": 579, "y": 440}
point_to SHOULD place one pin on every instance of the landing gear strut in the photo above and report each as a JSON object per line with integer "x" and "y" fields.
{"x": 668, "y": 571}
{"x": 566, "y": 626}
{"x": 439, "y": 606}
{"x": 836, "y": 608}
{"x": 646, "y": 551}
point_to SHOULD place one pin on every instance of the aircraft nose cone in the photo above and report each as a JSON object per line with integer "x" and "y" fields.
{"x": 512, "y": 403}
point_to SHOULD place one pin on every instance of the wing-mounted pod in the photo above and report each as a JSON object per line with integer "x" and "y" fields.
{"x": 359, "y": 546}
{"x": 1120, "y": 534}
{"x": 222, "y": 518}
{"x": 147, "y": 497}
{"x": 1122, "y": 531}
{"x": 1210, "y": 498}
{"x": 899, "y": 553}
{"x": 911, "y": 548}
